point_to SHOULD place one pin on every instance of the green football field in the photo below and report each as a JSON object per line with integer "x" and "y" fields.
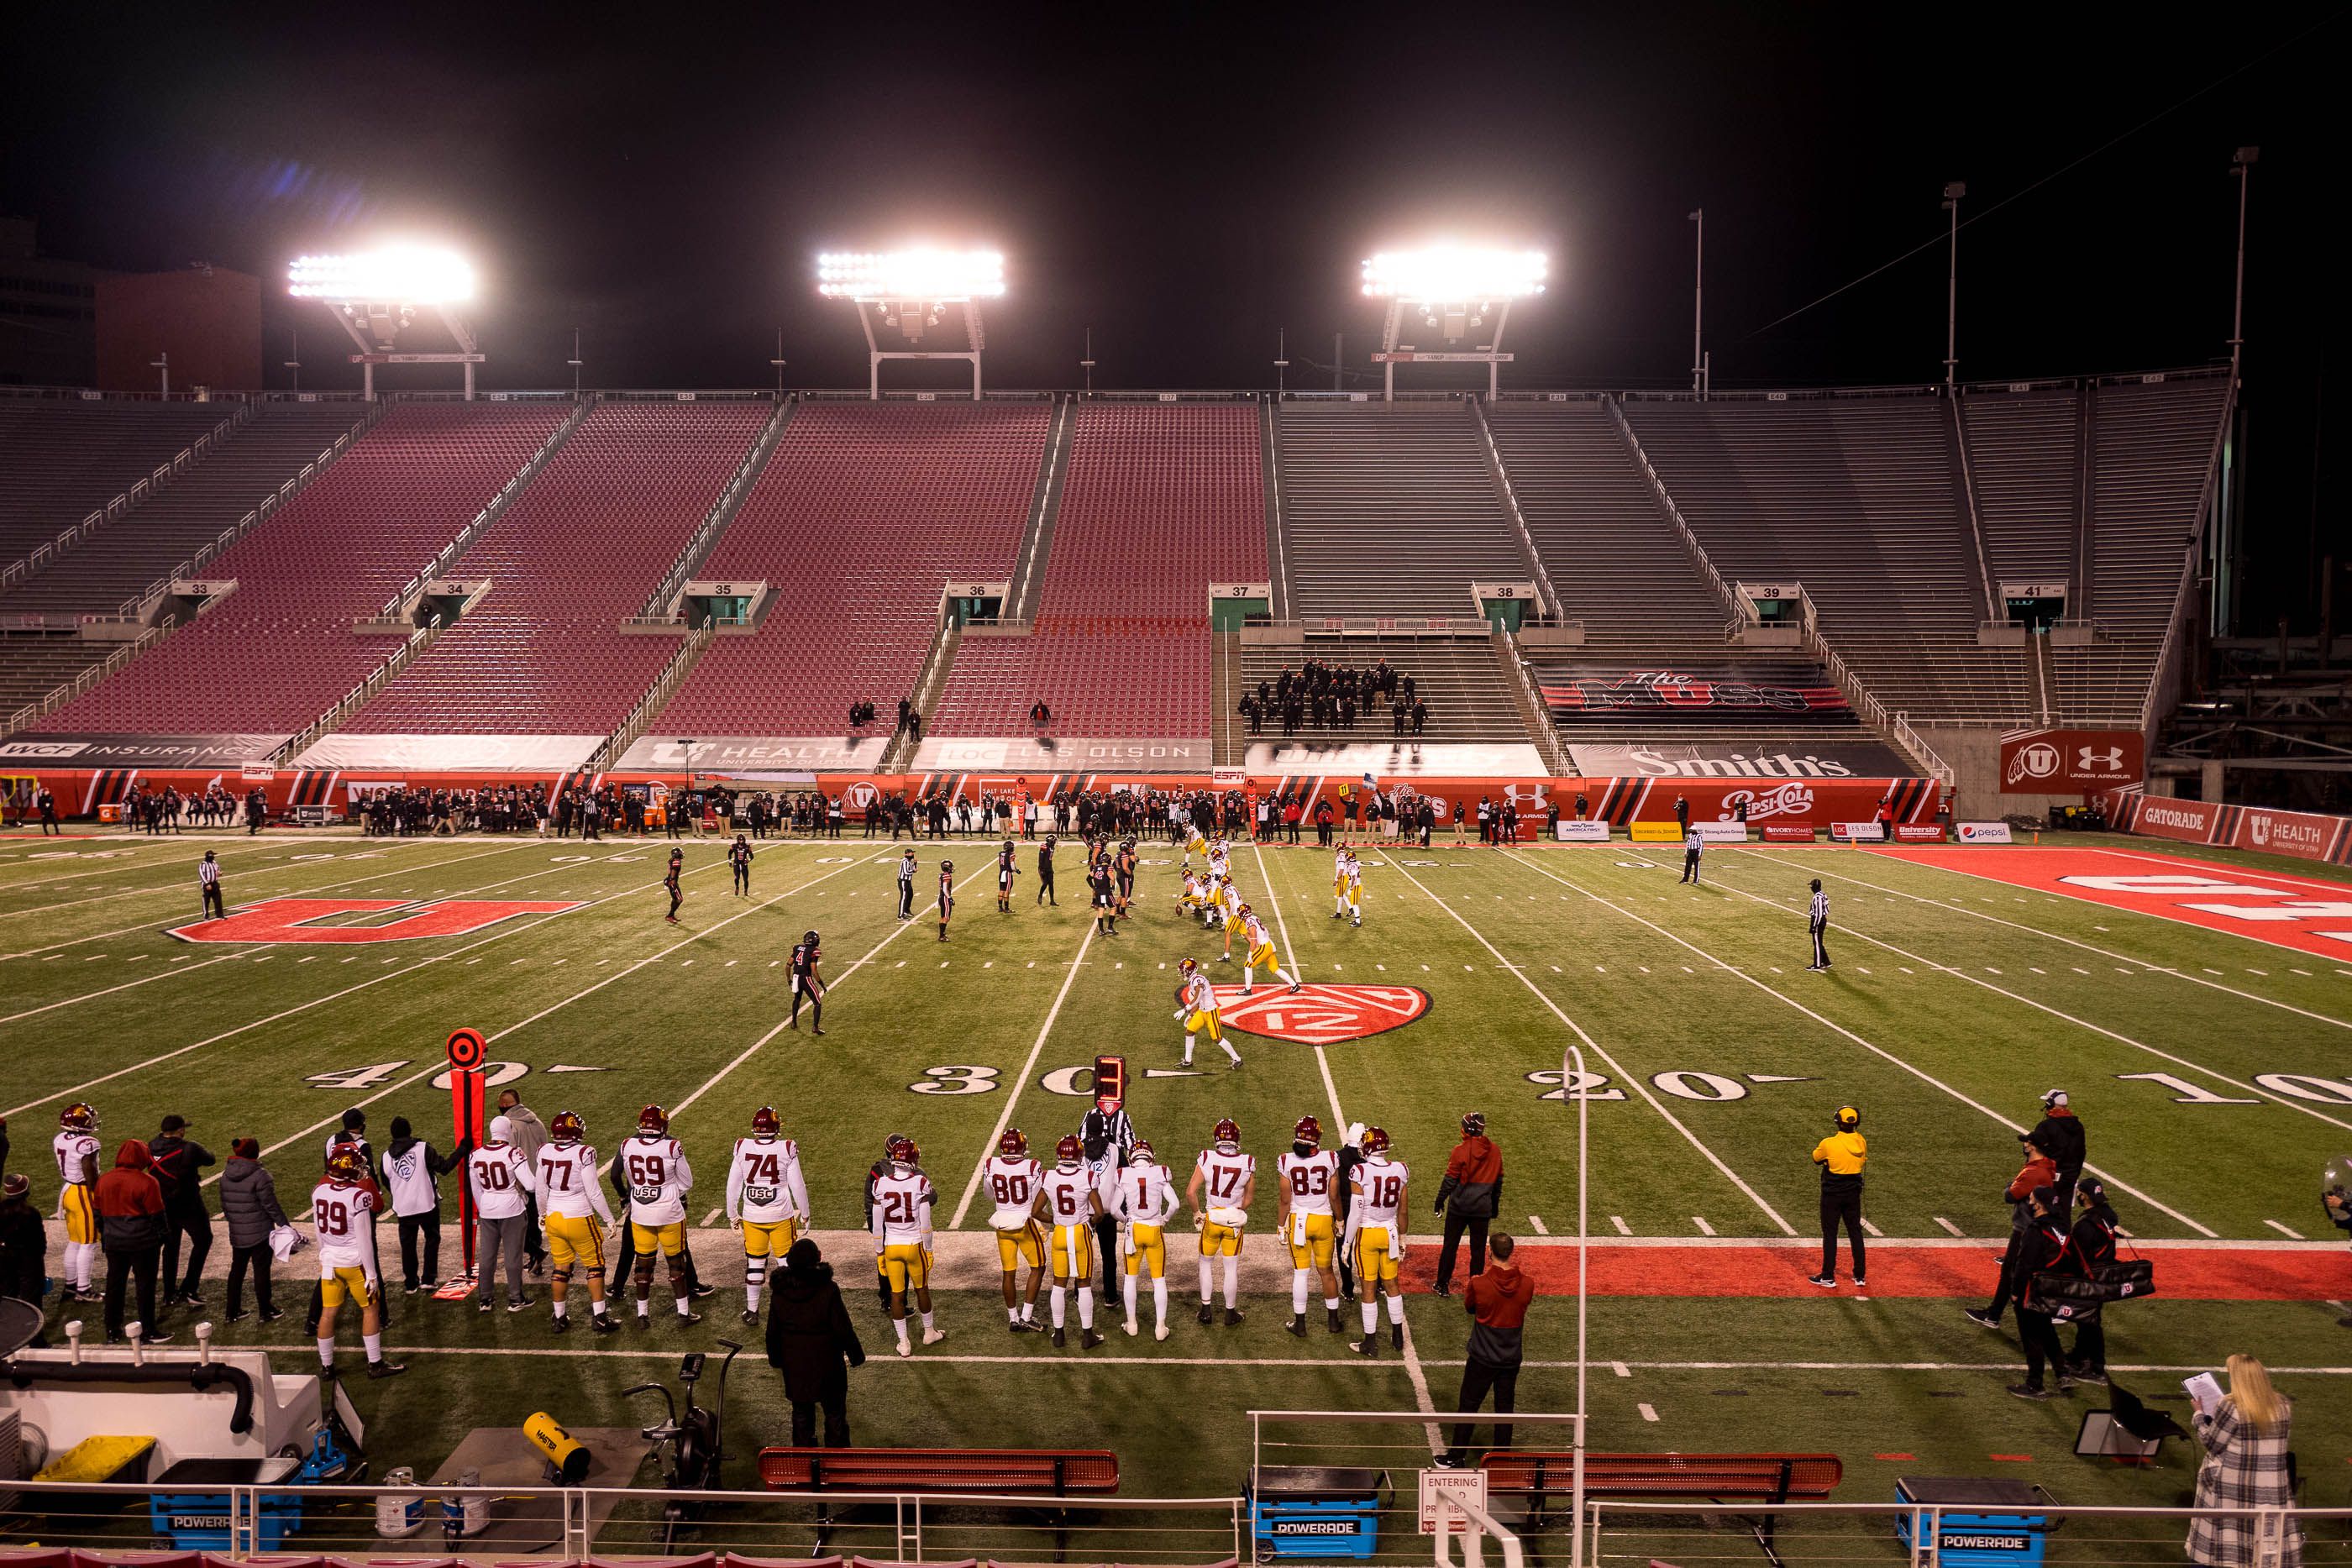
{"x": 2212, "y": 1070}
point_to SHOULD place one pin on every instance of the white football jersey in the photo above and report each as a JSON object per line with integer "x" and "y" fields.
{"x": 71, "y": 1148}
{"x": 339, "y": 1212}
{"x": 1229, "y": 899}
{"x": 568, "y": 1184}
{"x": 1310, "y": 1178}
{"x": 1143, "y": 1193}
{"x": 1225, "y": 1178}
{"x": 1065, "y": 1196}
{"x": 1379, "y": 1185}
{"x": 902, "y": 1207}
{"x": 501, "y": 1180}
{"x": 1011, "y": 1185}
{"x": 764, "y": 1184}
{"x": 1256, "y": 930}
{"x": 659, "y": 1179}
{"x": 1198, "y": 995}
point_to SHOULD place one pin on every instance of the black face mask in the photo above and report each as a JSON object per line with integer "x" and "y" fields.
{"x": 1302, "y": 1149}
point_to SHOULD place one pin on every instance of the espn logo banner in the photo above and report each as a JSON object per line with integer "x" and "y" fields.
{"x": 1983, "y": 834}
{"x": 1858, "y": 833}
{"x": 1719, "y": 832}
{"x": 1655, "y": 833}
{"x": 1582, "y": 832}
{"x": 2069, "y": 761}
{"x": 1785, "y": 834}
{"x": 1919, "y": 834}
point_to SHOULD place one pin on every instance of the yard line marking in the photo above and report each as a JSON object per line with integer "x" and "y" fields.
{"x": 2282, "y": 1230}
{"x": 2085, "y": 947}
{"x": 182, "y": 888}
{"x": 126, "y": 985}
{"x": 510, "y": 929}
{"x": 711, "y": 1219}
{"x": 1877, "y": 1050}
{"x": 553, "y": 1008}
{"x": 1036, "y": 1049}
{"x": 1951, "y": 1227}
{"x": 1649, "y": 1413}
{"x": 1638, "y": 1085}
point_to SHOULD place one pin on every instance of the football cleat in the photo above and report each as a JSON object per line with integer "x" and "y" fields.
{"x": 385, "y": 1368}
{"x": 602, "y": 1323}
{"x": 1226, "y": 1135}
{"x": 1014, "y": 1144}
{"x": 764, "y": 1123}
{"x": 1070, "y": 1152}
{"x": 78, "y": 1117}
{"x": 1088, "y": 1339}
{"x": 1375, "y": 1141}
{"x": 567, "y": 1128}
{"x": 903, "y": 1152}
{"x": 1309, "y": 1131}
{"x": 1207, "y": 1314}
{"x": 751, "y": 1318}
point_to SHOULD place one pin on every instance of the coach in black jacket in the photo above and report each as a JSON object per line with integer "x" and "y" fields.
{"x": 2059, "y": 1134}
{"x": 809, "y": 1334}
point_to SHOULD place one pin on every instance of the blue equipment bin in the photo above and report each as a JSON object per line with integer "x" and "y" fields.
{"x": 190, "y": 1503}
{"x": 1984, "y": 1522}
{"x": 1315, "y": 1511}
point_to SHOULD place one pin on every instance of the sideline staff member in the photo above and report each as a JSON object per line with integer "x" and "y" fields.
{"x": 1841, "y": 1157}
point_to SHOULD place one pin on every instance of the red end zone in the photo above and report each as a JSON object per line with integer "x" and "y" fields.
{"x": 2308, "y": 916}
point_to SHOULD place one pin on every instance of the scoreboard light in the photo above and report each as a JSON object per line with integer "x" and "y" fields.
{"x": 1446, "y": 274}
{"x": 402, "y": 274}
{"x": 925, "y": 273}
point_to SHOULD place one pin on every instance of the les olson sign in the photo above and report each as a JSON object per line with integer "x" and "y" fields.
{"x": 2069, "y": 761}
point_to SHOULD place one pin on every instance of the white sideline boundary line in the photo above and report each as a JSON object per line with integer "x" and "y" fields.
{"x": 1638, "y": 1085}
{"x": 1412, "y": 1366}
{"x": 287, "y": 892}
{"x": 494, "y": 1037}
{"x": 509, "y": 929}
{"x": 2148, "y": 964}
{"x": 2160, "y": 1053}
{"x": 1880, "y": 1052}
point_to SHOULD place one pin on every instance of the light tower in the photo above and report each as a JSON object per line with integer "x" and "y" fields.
{"x": 378, "y": 294}
{"x": 911, "y": 293}
{"x": 1455, "y": 293}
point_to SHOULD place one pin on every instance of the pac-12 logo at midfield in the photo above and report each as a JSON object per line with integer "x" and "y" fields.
{"x": 1321, "y": 1014}
{"x": 291, "y": 919}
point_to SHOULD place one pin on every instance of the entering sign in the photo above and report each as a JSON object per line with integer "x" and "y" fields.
{"x": 1458, "y": 1487}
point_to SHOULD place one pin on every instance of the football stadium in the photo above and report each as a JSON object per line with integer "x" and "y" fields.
{"x": 1747, "y": 961}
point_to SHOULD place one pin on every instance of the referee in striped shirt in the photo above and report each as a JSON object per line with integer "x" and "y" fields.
{"x": 208, "y": 879}
{"x": 1818, "y": 922}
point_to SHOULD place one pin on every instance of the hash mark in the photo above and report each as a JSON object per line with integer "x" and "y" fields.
{"x": 1949, "y": 1225}
{"x": 1704, "y": 1227}
{"x": 1535, "y": 1222}
{"x": 2282, "y": 1230}
{"x": 1870, "y": 1229}
{"x": 1619, "y": 1221}
{"x": 1647, "y": 1413}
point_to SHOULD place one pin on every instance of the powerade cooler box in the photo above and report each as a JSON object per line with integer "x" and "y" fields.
{"x": 190, "y": 1502}
{"x": 1313, "y": 1510}
{"x": 1985, "y": 1523}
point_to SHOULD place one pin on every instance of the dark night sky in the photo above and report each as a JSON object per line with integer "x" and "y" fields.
{"x": 1186, "y": 180}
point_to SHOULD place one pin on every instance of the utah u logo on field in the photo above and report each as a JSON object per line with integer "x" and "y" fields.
{"x": 291, "y": 919}
{"x": 1321, "y": 1014}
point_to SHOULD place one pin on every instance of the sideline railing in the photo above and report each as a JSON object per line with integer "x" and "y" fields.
{"x": 40, "y": 556}
{"x": 2168, "y": 654}
{"x": 716, "y": 520}
{"x": 1692, "y": 547}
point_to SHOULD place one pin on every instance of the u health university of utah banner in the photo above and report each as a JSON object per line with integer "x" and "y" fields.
{"x": 1781, "y": 691}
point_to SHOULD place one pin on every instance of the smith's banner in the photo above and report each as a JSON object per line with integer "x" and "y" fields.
{"x": 2069, "y": 761}
{"x": 1847, "y": 759}
{"x": 1778, "y": 691}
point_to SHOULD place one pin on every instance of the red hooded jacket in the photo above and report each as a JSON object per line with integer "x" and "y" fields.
{"x": 130, "y": 1200}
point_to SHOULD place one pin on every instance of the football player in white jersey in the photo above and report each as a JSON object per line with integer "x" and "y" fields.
{"x": 1257, "y": 953}
{"x": 1308, "y": 1177}
{"x": 1223, "y": 1182}
{"x": 573, "y": 1213}
{"x": 903, "y": 1197}
{"x": 76, "y": 1148}
{"x": 340, "y": 1206}
{"x": 1229, "y": 912}
{"x": 1354, "y": 894}
{"x": 1142, "y": 1200}
{"x": 1011, "y": 1178}
{"x": 768, "y": 1197}
{"x": 1339, "y": 860}
{"x": 1196, "y": 1009}
{"x": 659, "y": 1178}
{"x": 1220, "y": 860}
{"x": 499, "y": 1180}
{"x": 1375, "y": 1238}
{"x": 1069, "y": 1203}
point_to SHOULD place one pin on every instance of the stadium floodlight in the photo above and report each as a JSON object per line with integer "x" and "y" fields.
{"x": 924, "y": 274}
{"x": 377, "y": 294}
{"x": 1454, "y": 275}
{"x": 910, "y": 292}
{"x": 1454, "y": 290}
{"x": 402, "y": 275}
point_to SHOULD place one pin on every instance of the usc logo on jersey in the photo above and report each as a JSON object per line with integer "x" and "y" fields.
{"x": 291, "y": 919}
{"x": 1321, "y": 1014}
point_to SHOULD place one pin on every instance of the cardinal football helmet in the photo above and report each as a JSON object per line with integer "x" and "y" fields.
{"x": 765, "y": 1124}
{"x": 567, "y": 1128}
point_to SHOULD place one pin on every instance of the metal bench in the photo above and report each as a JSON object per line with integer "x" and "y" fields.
{"x": 1043, "y": 1472}
{"x": 1716, "y": 1478}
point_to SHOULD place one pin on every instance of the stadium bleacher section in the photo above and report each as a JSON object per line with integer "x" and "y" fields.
{"x": 280, "y": 650}
{"x": 64, "y": 458}
{"x": 1389, "y": 509}
{"x": 541, "y": 652}
{"x": 865, "y": 512}
{"x": 1858, "y": 500}
{"x": 1160, "y": 500}
{"x": 2024, "y": 454}
{"x": 120, "y": 560}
